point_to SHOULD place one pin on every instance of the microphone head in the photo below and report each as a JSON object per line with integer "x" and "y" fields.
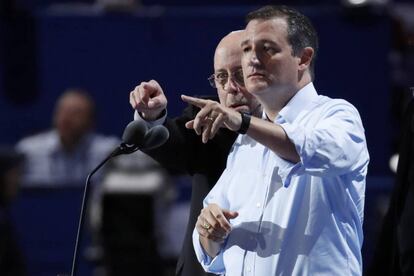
{"x": 135, "y": 132}
{"x": 155, "y": 137}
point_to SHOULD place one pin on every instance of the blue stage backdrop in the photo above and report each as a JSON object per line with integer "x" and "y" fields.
{"x": 111, "y": 53}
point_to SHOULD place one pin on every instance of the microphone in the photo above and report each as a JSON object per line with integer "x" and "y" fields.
{"x": 132, "y": 138}
{"x": 135, "y": 132}
{"x": 136, "y": 136}
{"x": 155, "y": 137}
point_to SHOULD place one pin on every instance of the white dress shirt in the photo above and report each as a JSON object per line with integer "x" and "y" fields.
{"x": 295, "y": 219}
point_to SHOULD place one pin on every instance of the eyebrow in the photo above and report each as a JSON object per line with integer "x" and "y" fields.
{"x": 221, "y": 70}
{"x": 244, "y": 42}
{"x": 269, "y": 41}
{"x": 263, "y": 41}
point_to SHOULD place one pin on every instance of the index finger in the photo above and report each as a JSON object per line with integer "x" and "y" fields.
{"x": 151, "y": 87}
{"x": 194, "y": 101}
{"x": 224, "y": 223}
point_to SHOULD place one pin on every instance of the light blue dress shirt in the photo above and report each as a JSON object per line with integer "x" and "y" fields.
{"x": 295, "y": 219}
{"x": 48, "y": 164}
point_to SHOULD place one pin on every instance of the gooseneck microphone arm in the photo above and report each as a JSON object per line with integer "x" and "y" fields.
{"x": 123, "y": 148}
{"x": 82, "y": 215}
{"x": 136, "y": 136}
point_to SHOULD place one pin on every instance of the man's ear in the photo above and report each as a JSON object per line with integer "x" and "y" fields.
{"x": 306, "y": 57}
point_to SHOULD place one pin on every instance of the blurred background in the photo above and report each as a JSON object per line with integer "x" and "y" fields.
{"x": 107, "y": 47}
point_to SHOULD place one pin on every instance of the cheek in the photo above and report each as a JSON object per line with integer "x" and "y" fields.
{"x": 284, "y": 67}
{"x": 245, "y": 66}
{"x": 222, "y": 96}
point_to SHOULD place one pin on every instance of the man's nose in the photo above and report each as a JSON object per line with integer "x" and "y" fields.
{"x": 254, "y": 60}
{"x": 231, "y": 86}
{"x": 252, "y": 57}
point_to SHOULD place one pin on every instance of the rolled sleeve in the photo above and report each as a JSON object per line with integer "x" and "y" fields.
{"x": 332, "y": 146}
{"x": 211, "y": 265}
{"x": 288, "y": 169}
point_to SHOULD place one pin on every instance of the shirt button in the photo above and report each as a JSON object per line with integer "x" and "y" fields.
{"x": 249, "y": 269}
{"x": 258, "y": 205}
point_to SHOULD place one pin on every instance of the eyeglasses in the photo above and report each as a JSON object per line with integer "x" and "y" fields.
{"x": 223, "y": 77}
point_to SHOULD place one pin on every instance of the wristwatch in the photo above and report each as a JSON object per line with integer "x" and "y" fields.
{"x": 245, "y": 122}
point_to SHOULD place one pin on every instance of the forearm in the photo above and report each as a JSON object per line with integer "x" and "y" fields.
{"x": 274, "y": 137}
{"x": 211, "y": 247}
{"x": 213, "y": 115}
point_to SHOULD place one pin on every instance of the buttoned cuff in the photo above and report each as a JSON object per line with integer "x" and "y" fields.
{"x": 151, "y": 124}
{"x": 212, "y": 265}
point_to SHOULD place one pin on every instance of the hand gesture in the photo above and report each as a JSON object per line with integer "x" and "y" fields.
{"x": 213, "y": 223}
{"x": 148, "y": 99}
{"x": 211, "y": 117}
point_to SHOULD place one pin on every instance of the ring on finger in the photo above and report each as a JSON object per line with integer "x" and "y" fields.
{"x": 206, "y": 225}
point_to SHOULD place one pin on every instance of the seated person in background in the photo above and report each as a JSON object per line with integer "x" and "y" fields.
{"x": 68, "y": 152}
{"x": 11, "y": 259}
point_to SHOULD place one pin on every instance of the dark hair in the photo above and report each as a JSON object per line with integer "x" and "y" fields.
{"x": 80, "y": 92}
{"x": 300, "y": 31}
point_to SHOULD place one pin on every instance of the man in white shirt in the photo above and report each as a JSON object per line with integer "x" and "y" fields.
{"x": 66, "y": 154}
{"x": 291, "y": 199}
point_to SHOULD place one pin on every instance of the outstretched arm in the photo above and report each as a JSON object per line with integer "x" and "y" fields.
{"x": 214, "y": 115}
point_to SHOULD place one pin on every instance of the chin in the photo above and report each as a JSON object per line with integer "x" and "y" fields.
{"x": 257, "y": 89}
{"x": 257, "y": 86}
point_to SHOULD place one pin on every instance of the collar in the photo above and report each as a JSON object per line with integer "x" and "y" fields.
{"x": 298, "y": 103}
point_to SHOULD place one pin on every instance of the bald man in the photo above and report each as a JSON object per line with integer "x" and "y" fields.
{"x": 189, "y": 153}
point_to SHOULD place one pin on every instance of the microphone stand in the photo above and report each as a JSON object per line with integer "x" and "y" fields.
{"x": 123, "y": 148}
